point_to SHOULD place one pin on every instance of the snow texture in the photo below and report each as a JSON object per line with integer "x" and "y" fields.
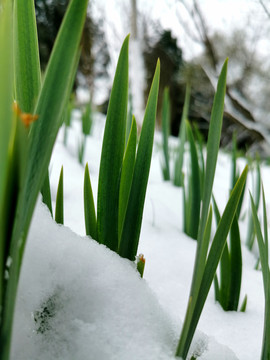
{"x": 78, "y": 300}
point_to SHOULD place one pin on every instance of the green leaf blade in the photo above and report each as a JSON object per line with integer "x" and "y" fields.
{"x": 235, "y": 266}
{"x": 6, "y": 123}
{"x": 87, "y": 120}
{"x": 195, "y": 189}
{"x": 46, "y": 193}
{"x": 6, "y": 93}
{"x": 225, "y": 275}
{"x": 52, "y": 100}
{"x": 261, "y": 243}
{"x": 165, "y": 121}
{"x": 197, "y": 301}
{"x": 134, "y": 212}
{"x": 112, "y": 155}
{"x": 89, "y": 206}
{"x": 27, "y": 65}
{"x": 222, "y": 231}
{"x": 178, "y": 175}
{"x": 127, "y": 175}
{"x": 213, "y": 145}
{"x": 211, "y": 160}
{"x": 59, "y": 206}
{"x": 263, "y": 249}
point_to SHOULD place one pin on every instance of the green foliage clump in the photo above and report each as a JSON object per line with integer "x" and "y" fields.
{"x": 124, "y": 169}
{"x": 28, "y": 132}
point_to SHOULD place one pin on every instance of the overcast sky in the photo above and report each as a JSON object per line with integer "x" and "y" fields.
{"x": 222, "y": 15}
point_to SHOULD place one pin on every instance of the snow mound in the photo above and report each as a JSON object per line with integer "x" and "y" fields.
{"x": 79, "y": 300}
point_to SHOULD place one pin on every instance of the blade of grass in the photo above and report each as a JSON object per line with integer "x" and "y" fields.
{"x": 196, "y": 303}
{"x": 213, "y": 144}
{"x": 27, "y": 77}
{"x": 244, "y": 304}
{"x": 178, "y": 175}
{"x": 219, "y": 241}
{"x": 46, "y": 192}
{"x": 67, "y": 119}
{"x": 165, "y": 121}
{"x": 59, "y": 205}
{"x": 190, "y": 322}
{"x": 195, "y": 190}
{"x": 127, "y": 175}
{"x": 207, "y": 234}
{"x": 224, "y": 267}
{"x": 211, "y": 160}
{"x": 187, "y": 202}
{"x": 263, "y": 249}
{"x": 50, "y": 104}
{"x": 112, "y": 155}
{"x": 261, "y": 242}
{"x": 89, "y": 207}
{"x": 81, "y": 149}
{"x": 132, "y": 224}
{"x": 52, "y": 100}
{"x": 26, "y": 54}
{"x": 234, "y": 165}
{"x": 241, "y": 202}
{"x": 235, "y": 266}
{"x": 129, "y": 118}
{"x": 6, "y": 120}
{"x": 199, "y": 139}
{"x": 87, "y": 119}
{"x": 216, "y": 288}
{"x": 257, "y": 194}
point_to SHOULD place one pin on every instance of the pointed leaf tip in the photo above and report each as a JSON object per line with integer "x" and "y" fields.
{"x": 158, "y": 66}
{"x": 225, "y": 65}
{"x": 126, "y": 42}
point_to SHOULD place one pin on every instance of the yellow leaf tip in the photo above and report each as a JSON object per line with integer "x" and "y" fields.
{"x": 26, "y": 118}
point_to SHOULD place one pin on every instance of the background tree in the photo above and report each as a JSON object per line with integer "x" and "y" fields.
{"x": 95, "y": 56}
{"x": 166, "y": 49}
{"x": 244, "y": 70}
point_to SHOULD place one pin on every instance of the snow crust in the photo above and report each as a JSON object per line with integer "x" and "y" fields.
{"x": 101, "y": 308}
{"x": 98, "y": 306}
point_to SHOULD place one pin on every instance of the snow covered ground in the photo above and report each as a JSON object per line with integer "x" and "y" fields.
{"x": 99, "y": 307}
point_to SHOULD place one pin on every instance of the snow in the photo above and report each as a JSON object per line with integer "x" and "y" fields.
{"x": 100, "y": 308}
{"x": 101, "y": 305}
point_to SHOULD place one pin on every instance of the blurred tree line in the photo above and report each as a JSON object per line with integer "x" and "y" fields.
{"x": 247, "y": 74}
{"x": 95, "y": 56}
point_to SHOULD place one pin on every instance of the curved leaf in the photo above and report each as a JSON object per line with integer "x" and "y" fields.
{"x": 112, "y": 155}
{"x": 26, "y": 54}
{"x": 165, "y": 121}
{"x": 89, "y": 207}
{"x": 46, "y": 193}
{"x": 132, "y": 224}
{"x": 50, "y": 105}
{"x": 6, "y": 118}
{"x": 178, "y": 175}
{"x": 211, "y": 160}
{"x": 196, "y": 302}
{"x": 194, "y": 195}
{"x": 59, "y": 206}
{"x": 127, "y": 175}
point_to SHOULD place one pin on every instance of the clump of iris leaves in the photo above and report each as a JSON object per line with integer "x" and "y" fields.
{"x": 31, "y": 113}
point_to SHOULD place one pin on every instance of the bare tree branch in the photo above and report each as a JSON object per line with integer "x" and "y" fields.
{"x": 264, "y": 8}
{"x": 188, "y": 30}
{"x": 237, "y": 108}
